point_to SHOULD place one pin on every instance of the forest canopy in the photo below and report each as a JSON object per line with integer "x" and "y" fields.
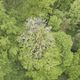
{"x": 39, "y": 39}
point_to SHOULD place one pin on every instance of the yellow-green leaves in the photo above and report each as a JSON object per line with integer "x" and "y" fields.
{"x": 41, "y": 48}
{"x": 55, "y": 22}
{"x": 22, "y": 9}
{"x": 4, "y": 41}
{"x": 39, "y": 53}
{"x": 64, "y": 43}
{"x": 75, "y": 12}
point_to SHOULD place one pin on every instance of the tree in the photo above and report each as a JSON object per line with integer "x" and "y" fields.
{"x": 74, "y": 18}
{"x": 63, "y": 5}
{"x": 21, "y": 11}
{"x": 39, "y": 40}
{"x": 74, "y": 70}
{"x": 8, "y": 47}
{"x": 43, "y": 54}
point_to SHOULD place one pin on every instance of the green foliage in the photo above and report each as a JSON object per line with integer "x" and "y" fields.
{"x": 37, "y": 38}
{"x": 55, "y": 22}
{"x": 3, "y": 42}
{"x": 74, "y": 17}
{"x": 43, "y": 53}
{"x": 76, "y": 42}
{"x": 74, "y": 70}
{"x": 63, "y": 5}
{"x": 64, "y": 43}
{"x": 39, "y": 48}
{"x": 21, "y": 11}
{"x": 8, "y": 45}
{"x": 75, "y": 12}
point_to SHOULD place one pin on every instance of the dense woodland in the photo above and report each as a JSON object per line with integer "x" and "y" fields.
{"x": 39, "y": 39}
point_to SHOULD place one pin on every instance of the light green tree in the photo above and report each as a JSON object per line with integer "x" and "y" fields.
{"x": 43, "y": 54}
{"x": 22, "y": 9}
{"x": 8, "y": 47}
